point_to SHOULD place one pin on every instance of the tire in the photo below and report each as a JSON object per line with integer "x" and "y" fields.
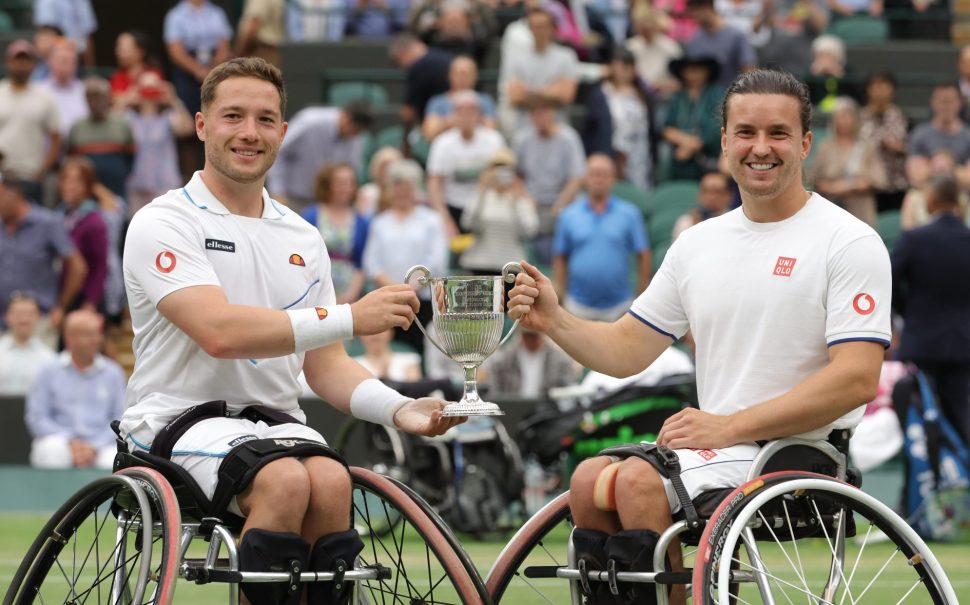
{"x": 902, "y": 571}
{"x": 424, "y": 563}
{"x": 92, "y": 549}
{"x": 527, "y": 548}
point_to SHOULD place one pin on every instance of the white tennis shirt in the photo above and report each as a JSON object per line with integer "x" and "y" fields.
{"x": 188, "y": 238}
{"x": 764, "y": 301}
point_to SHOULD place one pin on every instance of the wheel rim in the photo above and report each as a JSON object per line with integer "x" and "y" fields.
{"x": 885, "y": 561}
{"x": 95, "y": 556}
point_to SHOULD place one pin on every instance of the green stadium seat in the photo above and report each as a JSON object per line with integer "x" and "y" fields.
{"x": 889, "y": 227}
{"x": 6, "y": 22}
{"x": 667, "y": 202}
{"x": 625, "y": 190}
{"x": 341, "y": 93}
{"x": 860, "y": 29}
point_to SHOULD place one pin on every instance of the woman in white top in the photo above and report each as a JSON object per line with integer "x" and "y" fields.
{"x": 629, "y": 108}
{"x": 502, "y": 217}
{"x": 384, "y": 362}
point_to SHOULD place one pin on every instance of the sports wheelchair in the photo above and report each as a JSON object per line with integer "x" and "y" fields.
{"x": 784, "y": 536}
{"x": 125, "y": 539}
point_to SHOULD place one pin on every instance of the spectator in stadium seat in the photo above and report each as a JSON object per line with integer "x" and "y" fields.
{"x": 22, "y": 353}
{"x": 261, "y": 30}
{"x": 945, "y": 130}
{"x": 829, "y": 74}
{"x": 377, "y": 19}
{"x": 463, "y": 28}
{"x": 886, "y": 127}
{"x": 29, "y": 137}
{"x": 691, "y": 126}
{"x": 847, "y": 8}
{"x": 846, "y": 168}
{"x": 457, "y": 158}
{"x": 197, "y": 35}
{"x": 386, "y": 363}
{"x": 544, "y": 69}
{"x": 32, "y": 243}
{"x": 715, "y": 38}
{"x": 439, "y": 115}
{"x": 915, "y": 210}
{"x": 931, "y": 290}
{"x": 528, "y": 367}
{"x": 426, "y": 75}
{"x": 75, "y": 18}
{"x": 104, "y": 137}
{"x": 552, "y": 163}
{"x": 74, "y": 400}
{"x": 45, "y": 38}
{"x": 713, "y": 199}
{"x": 134, "y": 55}
{"x": 632, "y": 117}
{"x": 86, "y": 227}
{"x": 344, "y": 231}
{"x": 372, "y": 197}
{"x": 596, "y": 237}
{"x": 317, "y": 136}
{"x": 65, "y": 87}
{"x": 653, "y": 49}
{"x": 792, "y": 26}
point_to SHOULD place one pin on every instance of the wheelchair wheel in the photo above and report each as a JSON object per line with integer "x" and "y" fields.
{"x": 801, "y": 536}
{"x": 402, "y": 533}
{"x": 97, "y": 548}
{"x": 541, "y": 542}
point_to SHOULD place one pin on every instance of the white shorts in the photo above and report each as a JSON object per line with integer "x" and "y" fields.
{"x": 203, "y": 447}
{"x": 703, "y": 470}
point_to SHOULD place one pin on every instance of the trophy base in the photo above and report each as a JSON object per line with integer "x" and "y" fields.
{"x": 471, "y": 409}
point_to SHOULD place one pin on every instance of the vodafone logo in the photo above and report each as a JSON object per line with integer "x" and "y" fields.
{"x": 165, "y": 262}
{"x": 863, "y": 304}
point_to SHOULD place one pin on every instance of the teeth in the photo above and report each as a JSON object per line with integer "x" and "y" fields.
{"x": 762, "y": 166}
{"x": 246, "y": 152}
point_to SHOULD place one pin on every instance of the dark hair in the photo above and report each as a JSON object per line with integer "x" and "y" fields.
{"x": 881, "y": 76}
{"x": 324, "y": 179}
{"x": 770, "y": 82}
{"x": 359, "y": 113}
{"x": 944, "y": 189}
{"x": 9, "y": 180}
{"x": 86, "y": 168}
{"x": 243, "y": 67}
{"x": 947, "y": 84}
{"x": 144, "y": 43}
{"x": 54, "y": 29}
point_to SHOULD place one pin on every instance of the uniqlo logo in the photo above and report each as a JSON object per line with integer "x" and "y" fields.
{"x": 784, "y": 266}
{"x": 707, "y": 455}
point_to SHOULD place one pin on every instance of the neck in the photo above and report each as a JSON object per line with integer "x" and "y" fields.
{"x": 19, "y": 84}
{"x": 542, "y": 45}
{"x": 21, "y": 340}
{"x": 946, "y": 124}
{"x": 467, "y": 134}
{"x": 878, "y": 106}
{"x": 244, "y": 199}
{"x": 14, "y": 221}
{"x": 82, "y": 362}
{"x": 771, "y": 209}
{"x": 598, "y": 202}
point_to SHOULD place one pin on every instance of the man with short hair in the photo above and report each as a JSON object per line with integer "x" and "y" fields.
{"x": 945, "y": 130}
{"x": 74, "y": 399}
{"x": 22, "y": 353}
{"x": 318, "y": 136}
{"x": 426, "y": 74}
{"x": 231, "y": 296}
{"x": 715, "y": 38}
{"x": 64, "y": 85}
{"x": 29, "y": 137}
{"x": 104, "y": 137}
{"x": 75, "y": 18}
{"x": 595, "y": 238}
{"x": 788, "y": 300}
{"x": 439, "y": 115}
{"x": 714, "y": 198}
{"x": 32, "y": 242}
{"x": 457, "y": 158}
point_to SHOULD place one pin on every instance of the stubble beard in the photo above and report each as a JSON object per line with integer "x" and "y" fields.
{"x": 223, "y": 164}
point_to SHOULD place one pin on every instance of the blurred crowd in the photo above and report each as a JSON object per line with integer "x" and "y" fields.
{"x": 601, "y": 105}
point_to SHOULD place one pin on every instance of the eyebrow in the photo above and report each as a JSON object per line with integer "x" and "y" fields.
{"x": 240, "y": 108}
{"x": 774, "y": 126}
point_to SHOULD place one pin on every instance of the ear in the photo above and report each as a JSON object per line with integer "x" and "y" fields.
{"x": 806, "y": 144}
{"x": 723, "y": 141}
{"x": 200, "y": 125}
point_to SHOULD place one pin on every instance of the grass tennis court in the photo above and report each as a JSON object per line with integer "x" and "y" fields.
{"x": 18, "y": 530}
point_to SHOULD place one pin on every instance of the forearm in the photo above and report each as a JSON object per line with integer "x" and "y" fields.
{"x": 436, "y": 195}
{"x": 613, "y": 348}
{"x": 335, "y": 376}
{"x": 563, "y": 91}
{"x": 182, "y": 59}
{"x": 76, "y": 272}
{"x": 646, "y": 270}
{"x": 560, "y": 274}
{"x": 53, "y": 152}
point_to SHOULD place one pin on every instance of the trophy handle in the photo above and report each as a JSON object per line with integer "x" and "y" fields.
{"x": 423, "y": 280}
{"x": 509, "y": 271}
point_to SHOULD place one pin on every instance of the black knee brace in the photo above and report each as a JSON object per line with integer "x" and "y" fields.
{"x": 589, "y": 547}
{"x": 334, "y": 552}
{"x": 263, "y": 550}
{"x": 632, "y": 550}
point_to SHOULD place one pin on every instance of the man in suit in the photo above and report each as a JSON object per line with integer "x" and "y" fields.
{"x": 931, "y": 290}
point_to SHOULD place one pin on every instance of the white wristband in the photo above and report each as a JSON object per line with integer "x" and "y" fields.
{"x": 319, "y": 326}
{"x": 376, "y": 402}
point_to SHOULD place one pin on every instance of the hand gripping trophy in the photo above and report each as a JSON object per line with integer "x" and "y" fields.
{"x": 469, "y": 316}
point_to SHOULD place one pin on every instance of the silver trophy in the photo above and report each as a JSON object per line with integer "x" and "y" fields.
{"x": 469, "y": 317}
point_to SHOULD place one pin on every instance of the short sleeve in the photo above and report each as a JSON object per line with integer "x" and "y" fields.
{"x": 859, "y": 292}
{"x": 60, "y": 241}
{"x": 660, "y": 305}
{"x": 165, "y": 253}
{"x": 638, "y": 235}
{"x": 225, "y": 29}
{"x": 487, "y": 105}
{"x": 170, "y": 30}
{"x": 560, "y": 241}
{"x": 438, "y": 105}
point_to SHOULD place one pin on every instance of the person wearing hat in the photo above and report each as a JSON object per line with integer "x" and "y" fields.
{"x": 29, "y": 137}
{"x": 715, "y": 38}
{"x": 691, "y": 126}
{"x": 502, "y": 216}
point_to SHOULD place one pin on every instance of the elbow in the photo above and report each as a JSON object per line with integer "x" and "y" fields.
{"x": 218, "y": 345}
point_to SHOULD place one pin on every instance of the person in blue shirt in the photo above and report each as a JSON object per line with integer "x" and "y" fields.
{"x": 74, "y": 399}
{"x": 595, "y": 238}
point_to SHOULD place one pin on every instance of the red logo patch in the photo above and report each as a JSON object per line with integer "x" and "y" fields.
{"x": 165, "y": 262}
{"x": 321, "y": 313}
{"x": 784, "y": 266}
{"x": 296, "y": 259}
{"x": 707, "y": 455}
{"x": 863, "y": 304}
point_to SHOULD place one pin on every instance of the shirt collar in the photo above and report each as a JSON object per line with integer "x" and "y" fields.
{"x": 197, "y": 193}
{"x": 64, "y": 357}
{"x": 589, "y": 206}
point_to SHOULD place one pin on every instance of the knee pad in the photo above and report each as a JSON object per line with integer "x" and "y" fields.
{"x": 604, "y": 488}
{"x": 589, "y": 547}
{"x": 264, "y": 550}
{"x": 632, "y": 550}
{"x": 335, "y": 550}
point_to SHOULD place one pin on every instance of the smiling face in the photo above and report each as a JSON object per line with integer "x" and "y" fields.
{"x": 242, "y": 128}
{"x": 765, "y": 145}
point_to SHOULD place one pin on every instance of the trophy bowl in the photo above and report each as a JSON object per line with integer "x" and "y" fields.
{"x": 469, "y": 316}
